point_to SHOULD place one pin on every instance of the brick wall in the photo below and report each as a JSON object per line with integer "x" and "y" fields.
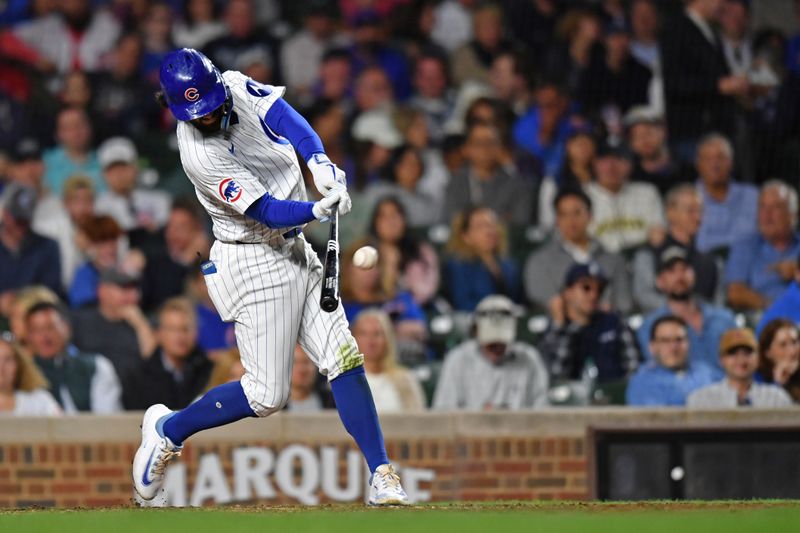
{"x": 85, "y": 461}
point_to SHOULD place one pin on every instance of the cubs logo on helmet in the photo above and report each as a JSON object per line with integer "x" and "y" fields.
{"x": 191, "y": 94}
{"x": 229, "y": 190}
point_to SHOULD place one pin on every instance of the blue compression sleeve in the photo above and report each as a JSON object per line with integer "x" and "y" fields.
{"x": 286, "y": 122}
{"x": 221, "y": 405}
{"x": 275, "y": 213}
{"x": 359, "y": 417}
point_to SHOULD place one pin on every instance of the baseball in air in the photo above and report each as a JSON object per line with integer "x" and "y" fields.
{"x": 365, "y": 257}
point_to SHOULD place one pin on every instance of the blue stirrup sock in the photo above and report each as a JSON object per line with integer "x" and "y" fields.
{"x": 219, "y": 406}
{"x": 357, "y": 411}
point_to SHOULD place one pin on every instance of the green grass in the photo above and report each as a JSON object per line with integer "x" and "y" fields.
{"x": 657, "y": 517}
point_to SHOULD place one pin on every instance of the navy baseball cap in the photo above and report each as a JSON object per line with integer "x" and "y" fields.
{"x": 27, "y": 149}
{"x": 19, "y": 201}
{"x": 579, "y": 271}
{"x": 606, "y": 149}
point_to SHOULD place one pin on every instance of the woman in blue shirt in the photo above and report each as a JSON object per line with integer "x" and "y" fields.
{"x": 476, "y": 266}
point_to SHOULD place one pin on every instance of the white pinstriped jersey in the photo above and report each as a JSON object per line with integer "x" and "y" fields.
{"x": 230, "y": 172}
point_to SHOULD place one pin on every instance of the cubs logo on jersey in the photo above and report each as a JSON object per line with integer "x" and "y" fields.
{"x": 229, "y": 190}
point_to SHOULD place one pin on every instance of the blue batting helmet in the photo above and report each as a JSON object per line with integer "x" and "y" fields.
{"x": 192, "y": 85}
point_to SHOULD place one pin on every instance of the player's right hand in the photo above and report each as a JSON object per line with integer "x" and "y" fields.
{"x": 327, "y": 176}
{"x": 337, "y": 197}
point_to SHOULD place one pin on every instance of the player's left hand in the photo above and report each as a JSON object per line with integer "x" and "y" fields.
{"x": 326, "y": 175}
{"x": 337, "y": 197}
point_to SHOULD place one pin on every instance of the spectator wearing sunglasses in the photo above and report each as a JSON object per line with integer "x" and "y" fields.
{"x": 582, "y": 335}
{"x": 738, "y": 356}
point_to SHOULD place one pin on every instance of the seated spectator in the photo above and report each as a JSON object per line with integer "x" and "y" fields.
{"x": 23, "y": 388}
{"x": 104, "y": 246}
{"x": 227, "y": 368}
{"x": 394, "y": 388}
{"x": 760, "y": 267}
{"x": 580, "y": 335}
{"x": 406, "y": 261}
{"x": 473, "y": 60}
{"x": 133, "y": 207}
{"x": 335, "y": 77}
{"x": 787, "y": 305}
{"x": 576, "y": 174}
{"x": 371, "y": 47}
{"x": 544, "y": 129}
{"x": 23, "y": 301}
{"x": 402, "y": 179}
{"x": 671, "y": 375}
{"x": 729, "y": 208}
{"x": 431, "y": 95}
{"x": 684, "y": 210}
{"x": 27, "y": 257}
{"x": 362, "y": 289}
{"x": 168, "y": 265}
{"x": 307, "y": 395}
{"x": 116, "y": 327}
{"x": 477, "y": 265}
{"x": 79, "y": 381}
{"x": 571, "y": 243}
{"x": 483, "y": 181}
{"x": 415, "y": 131}
{"x": 779, "y": 356}
{"x": 200, "y": 24}
{"x": 178, "y": 371}
{"x": 73, "y": 154}
{"x": 625, "y": 215}
{"x": 214, "y": 336}
{"x": 705, "y": 322}
{"x": 241, "y": 37}
{"x": 492, "y": 370}
{"x": 739, "y": 359}
{"x": 653, "y": 162}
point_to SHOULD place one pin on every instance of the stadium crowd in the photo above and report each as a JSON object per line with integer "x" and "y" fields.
{"x": 572, "y": 206}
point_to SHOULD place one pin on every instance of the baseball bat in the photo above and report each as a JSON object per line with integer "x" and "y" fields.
{"x": 329, "y": 299}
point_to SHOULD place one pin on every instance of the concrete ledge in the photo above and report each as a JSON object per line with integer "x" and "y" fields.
{"x": 326, "y": 426}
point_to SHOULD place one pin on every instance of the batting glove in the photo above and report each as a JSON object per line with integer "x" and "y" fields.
{"x": 323, "y": 209}
{"x": 326, "y": 175}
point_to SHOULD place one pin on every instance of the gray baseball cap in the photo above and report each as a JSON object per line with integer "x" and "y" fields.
{"x": 496, "y": 320}
{"x": 19, "y": 201}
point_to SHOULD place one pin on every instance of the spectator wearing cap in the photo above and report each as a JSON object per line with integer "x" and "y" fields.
{"x": 73, "y": 154}
{"x": 370, "y": 48}
{"x": 242, "y": 36}
{"x": 301, "y": 54}
{"x": 80, "y": 381}
{"x": 26, "y": 257}
{"x": 625, "y": 215}
{"x": 760, "y": 267}
{"x": 177, "y": 371}
{"x": 614, "y": 78}
{"x": 133, "y": 207}
{"x": 484, "y": 181}
{"x": 671, "y": 375}
{"x": 786, "y": 305}
{"x": 705, "y": 323}
{"x": 581, "y": 335}
{"x": 738, "y": 355}
{"x": 571, "y": 243}
{"x": 729, "y": 208}
{"x": 699, "y": 88}
{"x": 452, "y": 25}
{"x": 684, "y": 210}
{"x": 492, "y": 370}
{"x": 116, "y": 327}
{"x": 477, "y": 265}
{"x": 653, "y": 161}
{"x": 544, "y": 129}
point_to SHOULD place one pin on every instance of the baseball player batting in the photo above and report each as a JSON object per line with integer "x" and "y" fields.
{"x": 237, "y": 141}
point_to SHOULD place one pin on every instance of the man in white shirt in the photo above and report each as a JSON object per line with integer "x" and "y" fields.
{"x": 131, "y": 206}
{"x": 625, "y": 215}
{"x": 738, "y": 355}
{"x": 492, "y": 371}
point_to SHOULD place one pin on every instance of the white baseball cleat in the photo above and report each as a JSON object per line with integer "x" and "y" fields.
{"x": 155, "y": 451}
{"x": 385, "y": 488}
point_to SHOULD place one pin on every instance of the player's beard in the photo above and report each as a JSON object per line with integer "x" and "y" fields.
{"x": 210, "y": 128}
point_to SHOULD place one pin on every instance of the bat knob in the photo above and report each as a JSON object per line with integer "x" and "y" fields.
{"x": 329, "y": 304}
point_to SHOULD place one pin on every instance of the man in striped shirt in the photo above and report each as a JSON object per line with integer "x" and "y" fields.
{"x": 739, "y": 358}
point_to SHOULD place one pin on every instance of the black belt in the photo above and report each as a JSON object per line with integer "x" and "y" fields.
{"x": 291, "y": 234}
